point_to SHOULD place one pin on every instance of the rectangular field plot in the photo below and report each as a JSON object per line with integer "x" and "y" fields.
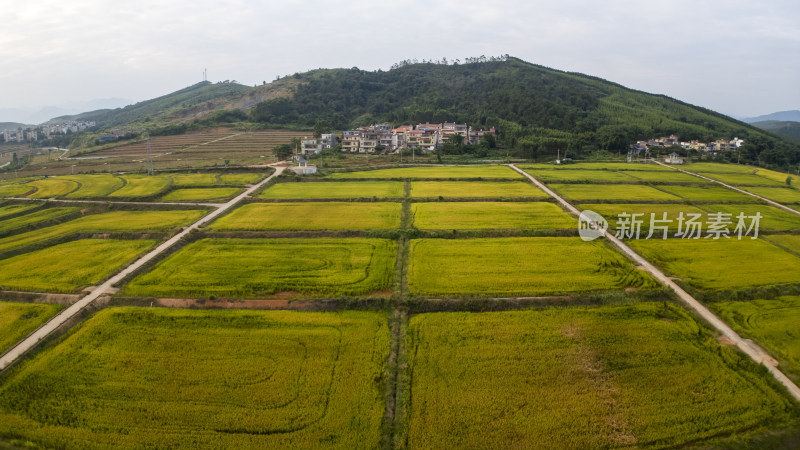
{"x": 194, "y": 179}
{"x": 598, "y": 166}
{"x": 709, "y": 193}
{"x": 560, "y": 175}
{"x": 635, "y": 376}
{"x": 17, "y": 320}
{"x": 723, "y": 263}
{"x": 311, "y": 216}
{"x": 665, "y": 177}
{"x": 790, "y": 241}
{"x": 772, "y": 218}
{"x": 475, "y": 189}
{"x": 69, "y": 266}
{"x": 159, "y": 378}
{"x": 616, "y": 212}
{"x": 490, "y": 215}
{"x": 27, "y": 220}
{"x": 198, "y": 194}
{"x": 776, "y": 194}
{"x": 117, "y": 221}
{"x": 718, "y": 168}
{"x": 335, "y": 190}
{"x": 609, "y": 192}
{"x": 241, "y": 179}
{"x": 434, "y": 172}
{"x": 254, "y": 268}
{"x": 742, "y": 179}
{"x": 517, "y": 267}
{"x": 772, "y": 323}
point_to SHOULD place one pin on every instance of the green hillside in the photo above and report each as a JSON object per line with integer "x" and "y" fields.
{"x": 167, "y": 108}
{"x": 787, "y": 129}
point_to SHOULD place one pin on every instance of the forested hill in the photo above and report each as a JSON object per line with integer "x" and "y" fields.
{"x": 534, "y": 108}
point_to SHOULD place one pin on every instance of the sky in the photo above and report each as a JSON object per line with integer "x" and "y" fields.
{"x": 741, "y": 58}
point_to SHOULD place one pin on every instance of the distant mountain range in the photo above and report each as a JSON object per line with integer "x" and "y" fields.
{"x": 787, "y": 129}
{"x": 40, "y": 115}
{"x": 782, "y": 116}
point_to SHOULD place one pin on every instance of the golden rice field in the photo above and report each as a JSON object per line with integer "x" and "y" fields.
{"x": 487, "y": 172}
{"x": 634, "y": 376}
{"x": 475, "y": 189}
{"x": 311, "y": 216}
{"x": 708, "y": 193}
{"x": 201, "y": 194}
{"x": 335, "y": 190}
{"x": 612, "y": 192}
{"x": 31, "y": 219}
{"x": 258, "y": 268}
{"x": 515, "y": 267}
{"x": 69, "y": 266}
{"x": 159, "y": 378}
{"x": 17, "y": 320}
{"x": 490, "y": 215}
{"x": 777, "y": 194}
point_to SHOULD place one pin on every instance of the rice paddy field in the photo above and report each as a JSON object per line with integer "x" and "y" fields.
{"x": 490, "y": 215}
{"x": 201, "y": 194}
{"x": 475, "y": 189}
{"x": 723, "y": 263}
{"x": 255, "y": 268}
{"x": 383, "y": 248}
{"x": 335, "y": 190}
{"x": 709, "y": 193}
{"x": 69, "y": 266}
{"x": 743, "y": 179}
{"x": 771, "y": 323}
{"x": 646, "y": 214}
{"x": 777, "y": 194}
{"x": 517, "y": 267}
{"x": 15, "y": 190}
{"x": 117, "y": 221}
{"x": 156, "y": 378}
{"x": 17, "y": 320}
{"x": 632, "y": 192}
{"x": 311, "y": 216}
{"x": 486, "y": 172}
{"x": 580, "y": 378}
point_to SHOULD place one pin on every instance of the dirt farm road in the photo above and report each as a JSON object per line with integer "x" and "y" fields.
{"x": 32, "y": 339}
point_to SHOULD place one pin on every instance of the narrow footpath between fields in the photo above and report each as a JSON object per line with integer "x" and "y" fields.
{"x": 752, "y": 350}
{"x": 59, "y": 319}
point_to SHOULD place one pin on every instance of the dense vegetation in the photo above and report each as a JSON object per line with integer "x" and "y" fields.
{"x": 157, "y": 378}
{"x": 19, "y": 319}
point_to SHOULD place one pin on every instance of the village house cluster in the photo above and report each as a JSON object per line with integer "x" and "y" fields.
{"x": 45, "y": 131}
{"x": 384, "y": 138}
{"x": 720, "y": 145}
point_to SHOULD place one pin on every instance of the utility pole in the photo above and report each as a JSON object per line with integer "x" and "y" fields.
{"x": 149, "y": 157}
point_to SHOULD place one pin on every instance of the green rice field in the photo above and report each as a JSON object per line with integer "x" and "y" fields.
{"x": 335, "y": 190}
{"x": 517, "y": 267}
{"x": 709, "y": 193}
{"x": 650, "y": 212}
{"x": 633, "y": 376}
{"x": 598, "y": 166}
{"x": 490, "y": 215}
{"x": 610, "y": 192}
{"x": 475, "y": 189}
{"x": 311, "y": 216}
{"x": 194, "y": 179}
{"x": 17, "y": 320}
{"x": 772, "y": 218}
{"x": 254, "y": 268}
{"x": 665, "y": 177}
{"x": 142, "y": 186}
{"x": 723, "y": 263}
{"x": 95, "y": 185}
{"x": 742, "y": 179}
{"x": 8, "y": 210}
{"x": 771, "y": 323}
{"x": 69, "y": 266}
{"x": 52, "y": 187}
{"x": 117, "y": 221}
{"x": 240, "y": 179}
{"x": 487, "y": 172}
{"x": 777, "y": 194}
{"x": 159, "y": 378}
{"x": 790, "y": 241}
{"x": 31, "y": 219}
{"x": 15, "y": 190}
{"x": 585, "y": 176}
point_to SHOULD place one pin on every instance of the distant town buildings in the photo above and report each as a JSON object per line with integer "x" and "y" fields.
{"x": 310, "y": 146}
{"x": 720, "y": 145}
{"x": 34, "y": 134}
{"x": 425, "y": 136}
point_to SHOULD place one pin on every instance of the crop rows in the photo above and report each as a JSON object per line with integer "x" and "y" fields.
{"x": 19, "y": 319}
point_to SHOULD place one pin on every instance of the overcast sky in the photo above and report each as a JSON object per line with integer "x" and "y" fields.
{"x": 737, "y": 57}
